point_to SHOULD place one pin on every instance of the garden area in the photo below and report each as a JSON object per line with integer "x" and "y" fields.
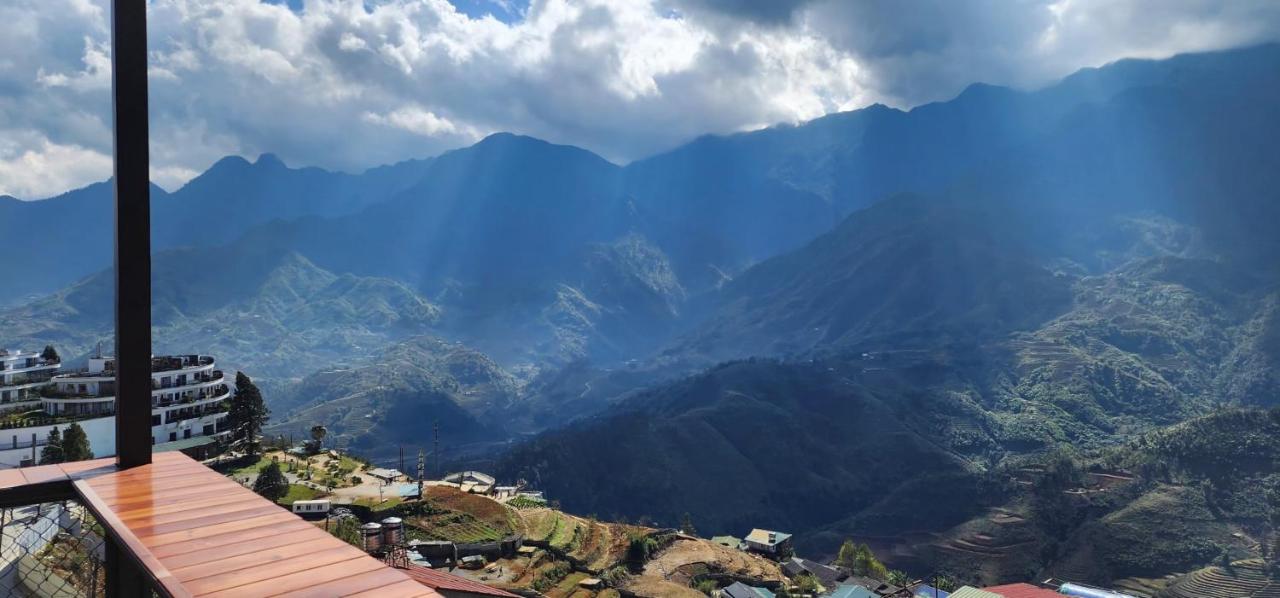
{"x": 460, "y": 517}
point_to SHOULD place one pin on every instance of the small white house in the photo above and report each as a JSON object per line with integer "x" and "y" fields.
{"x": 311, "y": 507}
{"x": 768, "y": 541}
{"x": 386, "y": 475}
{"x": 505, "y": 491}
{"x": 533, "y": 495}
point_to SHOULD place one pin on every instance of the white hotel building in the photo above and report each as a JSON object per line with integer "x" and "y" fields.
{"x": 22, "y": 375}
{"x": 187, "y": 408}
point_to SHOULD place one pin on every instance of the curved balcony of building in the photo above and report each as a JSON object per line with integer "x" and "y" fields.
{"x": 39, "y": 417}
{"x": 40, "y": 366}
{"x": 205, "y": 396}
{"x": 173, "y": 367}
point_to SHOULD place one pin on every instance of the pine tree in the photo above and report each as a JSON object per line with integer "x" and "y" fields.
{"x": 75, "y": 444}
{"x": 318, "y": 433}
{"x": 50, "y": 354}
{"x": 247, "y": 415}
{"x": 686, "y": 525}
{"x": 864, "y": 561}
{"x": 271, "y": 483}
{"x": 52, "y": 451}
{"x": 848, "y": 552}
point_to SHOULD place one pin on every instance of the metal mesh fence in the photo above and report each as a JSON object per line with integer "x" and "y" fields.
{"x": 52, "y": 549}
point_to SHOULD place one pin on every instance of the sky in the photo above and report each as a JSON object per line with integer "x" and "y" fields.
{"x": 351, "y": 84}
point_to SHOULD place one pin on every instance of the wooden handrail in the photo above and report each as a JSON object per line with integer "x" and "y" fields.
{"x": 159, "y": 577}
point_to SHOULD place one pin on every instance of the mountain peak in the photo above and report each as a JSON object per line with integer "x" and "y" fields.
{"x": 505, "y": 139}
{"x": 269, "y": 160}
{"x": 228, "y": 163}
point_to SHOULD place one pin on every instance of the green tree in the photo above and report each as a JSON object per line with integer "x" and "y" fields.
{"x": 247, "y": 415}
{"x": 686, "y": 525}
{"x": 318, "y": 432}
{"x": 866, "y": 564}
{"x": 707, "y": 587}
{"x": 808, "y": 584}
{"x": 640, "y": 547}
{"x": 859, "y": 559}
{"x": 845, "y": 557}
{"x": 52, "y": 451}
{"x": 75, "y": 444}
{"x": 50, "y": 354}
{"x": 271, "y": 483}
{"x": 898, "y": 577}
{"x": 347, "y": 529}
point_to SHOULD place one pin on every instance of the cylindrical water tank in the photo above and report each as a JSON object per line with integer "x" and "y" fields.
{"x": 371, "y": 537}
{"x": 392, "y": 531}
{"x": 1082, "y": 591}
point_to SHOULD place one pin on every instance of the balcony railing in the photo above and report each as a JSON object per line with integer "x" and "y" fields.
{"x": 41, "y": 418}
{"x": 203, "y": 395}
{"x": 173, "y": 528}
{"x": 52, "y": 549}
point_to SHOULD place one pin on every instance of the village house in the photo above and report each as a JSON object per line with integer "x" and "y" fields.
{"x": 728, "y": 542}
{"x": 742, "y": 590}
{"x": 769, "y": 542}
{"x": 826, "y": 575}
{"x": 387, "y": 475}
{"x": 851, "y": 591}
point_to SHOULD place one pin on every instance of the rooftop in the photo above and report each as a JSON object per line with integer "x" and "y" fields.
{"x": 438, "y": 580}
{"x": 1023, "y": 590}
{"x": 851, "y": 591}
{"x": 971, "y": 592}
{"x": 742, "y": 590}
{"x": 764, "y": 536}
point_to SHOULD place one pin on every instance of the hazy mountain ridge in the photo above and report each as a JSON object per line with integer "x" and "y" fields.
{"x": 71, "y": 233}
{"x": 397, "y": 398}
{"x": 284, "y": 314}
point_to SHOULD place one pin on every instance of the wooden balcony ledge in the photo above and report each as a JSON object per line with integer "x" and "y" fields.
{"x": 194, "y": 532}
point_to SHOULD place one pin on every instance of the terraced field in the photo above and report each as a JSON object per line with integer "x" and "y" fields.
{"x": 997, "y": 545}
{"x": 1142, "y": 587}
{"x": 1244, "y": 579}
{"x": 457, "y": 527}
{"x": 597, "y": 545}
{"x": 461, "y": 517}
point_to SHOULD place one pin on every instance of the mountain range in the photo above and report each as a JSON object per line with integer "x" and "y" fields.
{"x": 830, "y": 328}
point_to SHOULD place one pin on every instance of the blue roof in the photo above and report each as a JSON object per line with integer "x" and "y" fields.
{"x": 742, "y": 590}
{"x": 851, "y": 591}
{"x": 407, "y": 490}
{"x": 927, "y": 591}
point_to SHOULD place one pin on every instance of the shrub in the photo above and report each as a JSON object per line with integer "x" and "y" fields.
{"x": 640, "y": 548}
{"x": 551, "y": 576}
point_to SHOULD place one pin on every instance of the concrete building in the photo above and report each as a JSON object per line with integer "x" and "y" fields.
{"x": 22, "y": 376}
{"x": 187, "y": 408}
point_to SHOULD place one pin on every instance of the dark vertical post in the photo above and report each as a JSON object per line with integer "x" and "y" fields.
{"x": 123, "y": 577}
{"x": 133, "y": 232}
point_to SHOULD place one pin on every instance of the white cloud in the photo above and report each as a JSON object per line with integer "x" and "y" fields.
{"x": 350, "y": 84}
{"x": 415, "y": 120}
{"x": 31, "y": 166}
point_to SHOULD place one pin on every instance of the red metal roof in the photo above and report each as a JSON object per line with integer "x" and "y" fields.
{"x": 1022, "y": 590}
{"x": 439, "y": 580}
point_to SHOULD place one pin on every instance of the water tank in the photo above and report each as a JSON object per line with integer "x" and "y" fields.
{"x": 392, "y": 531}
{"x": 1083, "y": 591}
{"x": 371, "y": 537}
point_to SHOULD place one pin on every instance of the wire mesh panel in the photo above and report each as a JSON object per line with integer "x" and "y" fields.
{"x": 52, "y": 549}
